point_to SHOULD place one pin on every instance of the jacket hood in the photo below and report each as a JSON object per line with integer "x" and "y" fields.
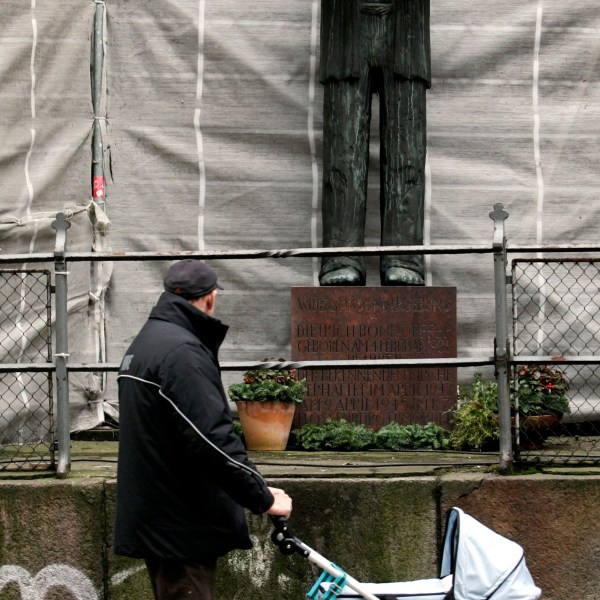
{"x": 174, "y": 309}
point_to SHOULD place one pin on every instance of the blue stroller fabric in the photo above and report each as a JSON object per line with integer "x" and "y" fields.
{"x": 477, "y": 564}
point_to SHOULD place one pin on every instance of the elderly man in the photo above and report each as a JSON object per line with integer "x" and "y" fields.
{"x": 183, "y": 477}
{"x": 372, "y": 47}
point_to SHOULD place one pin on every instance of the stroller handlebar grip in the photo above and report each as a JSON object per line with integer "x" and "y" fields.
{"x": 285, "y": 540}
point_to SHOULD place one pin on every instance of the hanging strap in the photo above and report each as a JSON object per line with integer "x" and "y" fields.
{"x": 334, "y": 590}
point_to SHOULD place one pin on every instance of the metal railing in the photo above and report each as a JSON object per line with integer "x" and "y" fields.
{"x": 501, "y": 360}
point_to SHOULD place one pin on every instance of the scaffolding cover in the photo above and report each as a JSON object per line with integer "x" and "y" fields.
{"x": 212, "y": 122}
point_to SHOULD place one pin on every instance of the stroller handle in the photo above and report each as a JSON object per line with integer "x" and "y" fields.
{"x": 289, "y": 544}
{"x": 285, "y": 540}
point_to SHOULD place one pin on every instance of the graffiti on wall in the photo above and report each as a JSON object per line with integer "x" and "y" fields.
{"x": 35, "y": 587}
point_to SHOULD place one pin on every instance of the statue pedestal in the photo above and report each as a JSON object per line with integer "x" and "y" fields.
{"x": 336, "y": 323}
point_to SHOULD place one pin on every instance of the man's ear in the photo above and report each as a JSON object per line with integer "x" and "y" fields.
{"x": 205, "y": 303}
{"x": 210, "y": 301}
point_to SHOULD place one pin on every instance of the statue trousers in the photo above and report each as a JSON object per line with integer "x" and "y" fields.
{"x": 403, "y": 148}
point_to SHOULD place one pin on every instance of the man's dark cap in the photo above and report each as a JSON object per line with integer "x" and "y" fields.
{"x": 190, "y": 278}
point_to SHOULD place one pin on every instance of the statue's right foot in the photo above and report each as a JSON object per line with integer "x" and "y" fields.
{"x": 344, "y": 276}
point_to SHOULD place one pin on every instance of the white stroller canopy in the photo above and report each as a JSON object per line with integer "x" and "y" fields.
{"x": 477, "y": 564}
{"x": 484, "y": 564}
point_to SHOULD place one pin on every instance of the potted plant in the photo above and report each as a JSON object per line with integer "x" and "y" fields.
{"x": 266, "y": 401}
{"x": 539, "y": 398}
{"x": 541, "y": 390}
{"x": 541, "y": 402}
{"x": 475, "y": 419}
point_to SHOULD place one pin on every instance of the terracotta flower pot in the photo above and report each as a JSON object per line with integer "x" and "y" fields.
{"x": 536, "y": 428}
{"x": 266, "y": 425}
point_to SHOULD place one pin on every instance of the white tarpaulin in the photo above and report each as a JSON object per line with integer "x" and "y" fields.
{"x": 45, "y": 160}
{"x": 212, "y": 121}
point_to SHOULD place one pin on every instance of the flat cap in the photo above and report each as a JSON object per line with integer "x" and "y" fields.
{"x": 190, "y": 278}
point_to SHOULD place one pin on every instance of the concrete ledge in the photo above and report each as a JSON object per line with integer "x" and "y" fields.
{"x": 555, "y": 519}
{"x": 56, "y": 536}
{"x": 52, "y": 539}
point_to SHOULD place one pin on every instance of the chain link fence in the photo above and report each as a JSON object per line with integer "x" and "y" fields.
{"x": 26, "y": 404}
{"x": 555, "y": 319}
{"x": 556, "y": 312}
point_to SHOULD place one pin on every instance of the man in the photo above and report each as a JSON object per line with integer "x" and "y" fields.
{"x": 183, "y": 477}
{"x": 367, "y": 47}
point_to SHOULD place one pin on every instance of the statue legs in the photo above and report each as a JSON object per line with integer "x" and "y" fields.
{"x": 403, "y": 154}
{"x": 347, "y": 118}
{"x": 347, "y": 115}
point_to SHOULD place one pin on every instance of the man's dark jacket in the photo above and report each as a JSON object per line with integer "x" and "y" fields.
{"x": 183, "y": 474}
{"x": 340, "y": 47}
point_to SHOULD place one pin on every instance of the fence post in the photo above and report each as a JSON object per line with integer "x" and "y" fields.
{"x": 61, "y": 355}
{"x": 499, "y": 215}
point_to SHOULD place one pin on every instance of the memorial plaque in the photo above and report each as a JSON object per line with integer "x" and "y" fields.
{"x": 336, "y": 323}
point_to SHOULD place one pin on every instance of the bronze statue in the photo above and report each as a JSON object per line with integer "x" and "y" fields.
{"x": 369, "y": 47}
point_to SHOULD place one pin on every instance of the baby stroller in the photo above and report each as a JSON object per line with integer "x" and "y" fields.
{"x": 477, "y": 564}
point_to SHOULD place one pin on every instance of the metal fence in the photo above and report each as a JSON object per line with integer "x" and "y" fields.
{"x": 556, "y": 312}
{"x": 26, "y": 404}
{"x": 535, "y": 326}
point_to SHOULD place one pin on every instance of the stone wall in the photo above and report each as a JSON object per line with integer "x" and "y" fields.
{"x": 55, "y": 536}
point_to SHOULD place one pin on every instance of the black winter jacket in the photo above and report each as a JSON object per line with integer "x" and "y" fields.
{"x": 183, "y": 474}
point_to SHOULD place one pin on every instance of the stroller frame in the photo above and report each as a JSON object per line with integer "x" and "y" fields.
{"x": 477, "y": 563}
{"x": 289, "y": 544}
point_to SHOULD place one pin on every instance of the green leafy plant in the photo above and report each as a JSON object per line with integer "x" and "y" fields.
{"x": 237, "y": 428}
{"x": 269, "y": 385}
{"x": 404, "y": 437}
{"x": 541, "y": 390}
{"x": 334, "y": 435}
{"x": 344, "y": 436}
{"x": 475, "y": 420}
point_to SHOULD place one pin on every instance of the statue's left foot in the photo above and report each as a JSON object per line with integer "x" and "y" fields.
{"x": 401, "y": 276}
{"x": 344, "y": 276}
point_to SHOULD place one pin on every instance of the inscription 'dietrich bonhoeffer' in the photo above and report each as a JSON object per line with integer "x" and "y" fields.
{"x": 373, "y": 323}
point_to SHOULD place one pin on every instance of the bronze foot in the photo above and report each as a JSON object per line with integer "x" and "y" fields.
{"x": 401, "y": 276}
{"x": 344, "y": 276}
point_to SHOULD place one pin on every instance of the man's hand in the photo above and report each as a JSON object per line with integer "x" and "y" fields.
{"x": 282, "y": 505}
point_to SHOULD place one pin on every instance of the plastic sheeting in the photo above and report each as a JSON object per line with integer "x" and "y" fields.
{"x": 213, "y": 141}
{"x": 45, "y": 158}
